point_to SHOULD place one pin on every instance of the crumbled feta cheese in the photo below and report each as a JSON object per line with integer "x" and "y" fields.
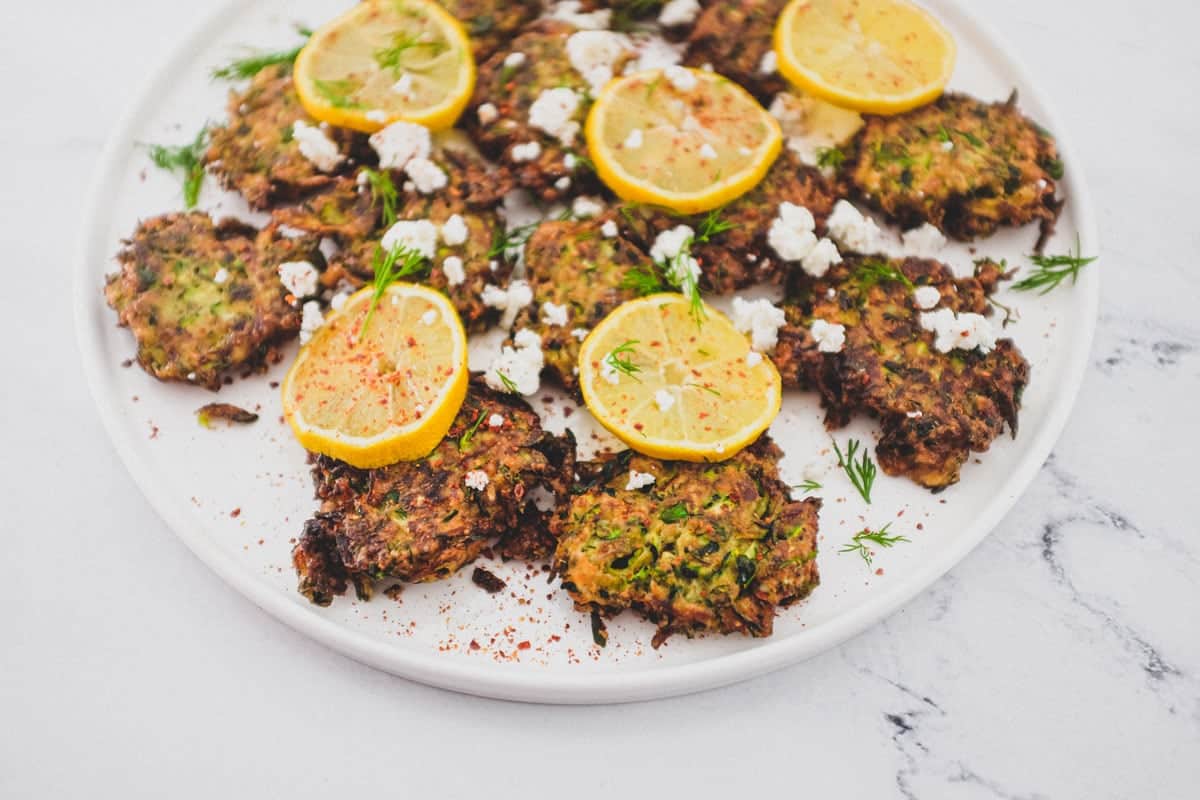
{"x": 455, "y": 231}
{"x": 495, "y": 421}
{"x": 769, "y": 64}
{"x": 761, "y": 319}
{"x": 488, "y": 113}
{"x": 419, "y": 235}
{"x": 664, "y": 400}
{"x": 311, "y": 320}
{"x": 339, "y": 300}
{"x": 678, "y": 12}
{"x": 300, "y": 278}
{"x": 634, "y": 140}
{"x": 681, "y": 78}
{"x": 587, "y": 207}
{"x": 791, "y": 233}
{"x": 707, "y": 151}
{"x": 823, "y": 256}
{"x": 517, "y": 296}
{"x": 639, "y": 480}
{"x": 452, "y": 268}
{"x": 476, "y": 479}
{"x": 221, "y": 277}
{"x": 653, "y": 52}
{"x": 554, "y": 112}
{"x": 555, "y": 314}
{"x": 514, "y": 60}
{"x": 580, "y": 333}
{"x": 670, "y": 251}
{"x": 401, "y": 142}
{"x": 404, "y": 87}
{"x": 570, "y": 161}
{"x": 926, "y": 297}
{"x": 914, "y": 414}
{"x": 753, "y": 358}
{"x": 529, "y": 151}
{"x": 563, "y": 184}
{"x": 594, "y": 55}
{"x": 376, "y": 115}
{"x": 923, "y": 242}
{"x": 852, "y": 230}
{"x": 429, "y": 317}
{"x": 829, "y": 336}
{"x": 191, "y": 376}
{"x": 426, "y": 176}
{"x": 609, "y": 229}
{"x": 316, "y": 146}
{"x": 947, "y": 145}
{"x": 521, "y": 365}
{"x": 572, "y": 11}
{"x": 962, "y": 331}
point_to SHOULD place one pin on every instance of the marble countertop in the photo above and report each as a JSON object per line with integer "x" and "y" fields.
{"x": 1060, "y": 660}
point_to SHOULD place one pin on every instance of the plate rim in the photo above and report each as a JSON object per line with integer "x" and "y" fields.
{"x": 508, "y": 682}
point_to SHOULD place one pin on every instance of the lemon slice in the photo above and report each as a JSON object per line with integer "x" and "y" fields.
{"x": 877, "y": 56}
{"x": 672, "y": 390}
{"x": 382, "y": 395}
{"x": 384, "y": 61}
{"x": 686, "y": 139}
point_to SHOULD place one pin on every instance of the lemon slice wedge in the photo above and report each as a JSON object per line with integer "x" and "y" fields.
{"x": 672, "y": 390}
{"x": 384, "y": 61}
{"x": 384, "y": 394}
{"x": 686, "y": 139}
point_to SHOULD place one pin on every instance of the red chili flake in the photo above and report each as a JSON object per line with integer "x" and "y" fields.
{"x": 127, "y": 363}
{"x": 879, "y": 571}
{"x": 237, "y": 512}
{"x": 637, "y": 426}
{"x": 523, "y": 645}
{"x": 474, "y": 645}
{"x": 568, "y": 411}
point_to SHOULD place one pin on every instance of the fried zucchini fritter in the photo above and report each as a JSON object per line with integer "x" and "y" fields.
{"x": 201, "y": 298}
{"x": 737, "y": 255}
{"x": 733, "y": 36}
{"x": 491, "y": 23}
{"x": 935, "y": 408}
{"x": 422, "y": 521}
{"x": 512, "y": 90}
{"x": 965, "y": 166}
{"x": 573, "y": 264}
{"x": 706, "y": 548}
{"x": 255, "y": 153}
{"x": 343, "y": 209}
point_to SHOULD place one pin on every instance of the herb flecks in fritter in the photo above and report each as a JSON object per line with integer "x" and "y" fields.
{"x": 342, "y": 209}
{"x": 935, "y": 408}
{"x": 491, "y": 23}
{"x": 734, "y": 36}
{"x": 705, "y": 548}
{"x": 202, "y": 299}
{"x": 965, "y": 166}
{"x": 424, "y": 520}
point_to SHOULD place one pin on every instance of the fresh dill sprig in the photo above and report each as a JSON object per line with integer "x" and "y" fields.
{"x": 870, "y": 273}
{"x": 712, "y": 225}
{"x": 627, "y": 17}
{"x": 510, "y": 385}
{"x": 808, "y": 486}
{"x": 1011, "y": 314}
{"x": 620, "y": 360}
{"x": 336, "y": 92}
{"x": 830, "y": 158}
{"x": 506, "y": 241}
{"x": 1050, "y": 271}
{"x": 858, "y": 544}
{"x": 862, "y": 472}
{"x": 464, "y": 442}
{"x": 399, "y": 262}
{"x": 392, "y": 57}
{"x": 187, "y": 159}
{"x": 383, "y": 193}
{"x": 644, "y": 281}
{"x": 704, "y": 388}
{"x": 248, "y": 67}
{"x": 679, "y": 272}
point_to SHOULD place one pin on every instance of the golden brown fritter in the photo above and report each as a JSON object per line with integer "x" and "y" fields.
{"x": 965, "y": 166}
{"x": 733, "y": 37}
{"x": 491, "y": 23}
{"x": 343, "y": 209}
{"x": 513, "y": 90}
{"x": 935, "y": 408}
{"x": 573, "y": 264}
{"x": 422, "y": 521}
{"x": 736, "y": 255}
{"x": 202, "y": 299}
{"x": 708, "y": 548}
{"x": 255, "y": 153}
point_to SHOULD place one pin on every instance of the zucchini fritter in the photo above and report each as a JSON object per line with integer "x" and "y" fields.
{"x": 733, "y": 36}
{"x": 965, "y": 166}
{"x": 255, "y": 154}
{"x": 706, "y": 548}
{"x": 342, "y": 209}
{"x": 201, "y": 298}
{"x": 491, "y": 23}
{"x": 422, "y": 521}
{"x": 573, "y": 264}
{"x": 935, "y": 408}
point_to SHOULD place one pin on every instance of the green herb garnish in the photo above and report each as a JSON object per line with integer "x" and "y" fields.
{"x": 1050, "y": 271}
{"x": 870, "y": 273}
{"x": 506, "y": 241}
{"x": 392, "y": 57}
{"x": 509, "y": 385}
{"x": 187, "y": 159}
{"x": 464, "y": 441}
{"x": 675, "y": 513}
{"x": 808, "y": 486}
{"x": 830, "y": 158}
{"x": 620, "y": 360}
{"x": 399, "y": 262}
{"x": 712, "y": 225}
{"x": 880, "y": 537}
{"x": 644, "y": 281}
{"x": 248, "y": 67}
{"x": 337, "y": 92}
{"x": 679, "y": 273}
{"x": 862, "y": 472}
{"x": 383, "y": 193}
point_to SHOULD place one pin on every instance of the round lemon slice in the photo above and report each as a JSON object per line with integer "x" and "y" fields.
{"x": 382, "y": 394}
{"x": 384, "y": 61}
{"x": 686, "y": 139}
{"x": 674, "y": 390}
{"x": 877, "y": 56}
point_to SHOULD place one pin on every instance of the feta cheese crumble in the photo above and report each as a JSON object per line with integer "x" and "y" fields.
{"x": 529, "y": 151}
{"x": 339, "y": 300}
{"x": 670, "y": 251}
{"x": 923, "y": 242}
{"x": 476, "y": 479}
{"x": 300, "y": 278}
{"x": 708, "y": 152}
{"x": 587, "y": 207}
{"x": 926, "y": 297}
{"x": 572, "y": 11}
{"x": 634, "y": 140}
{"x": 510, "y": 301}
{"x": 221, "y": 277}
{"x": 681, "y": 78}
{"x": 495, "y": 421}
{"x": 311, "y": 320}
{"x": 753, "y": 358}
{"x": 455, "y": 231}
{"x": 959, "y": 331}
{"x": 555, "y": 314}
{"x": 514, "y": 60}
{"x": 520, "y": 365}
{"x": 664, "y": 400}
{"x": 761, "y": 319}
{"x": 769, "y": 64}
{"x": 376, "y": 115}
{"x": 823, "y": 256}
{"x": 452, "y": 268}
{"x": 563, "y": 183}
{"x": 852, "y": 230}
{"x": 316, "y": 146}
{"x": 791, "y": 233}
{"x": 654, "y": 52}
{"x": 554, "y": 112}
{"x": 639, "y": 480}
{"x": 419, "y": 235}
{"x": 829, "y": 336}
{"x": 426, "y": 176}
{"x": 429, "y": 317}
{"x": 401, "y": 142}
{"x": 678, "y": 12}
{"x": 404, "y": 87}
{"x": 609, "y": 229}
{"x": 488, "y": 113}
{"x": 580, "y": 333}
{"x": 594, "y": 55}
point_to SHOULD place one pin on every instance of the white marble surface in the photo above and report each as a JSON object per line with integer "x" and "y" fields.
{"x": 1060, "y": 660}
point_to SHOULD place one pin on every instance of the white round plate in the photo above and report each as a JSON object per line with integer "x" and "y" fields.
{"x": 238, "y": 497}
